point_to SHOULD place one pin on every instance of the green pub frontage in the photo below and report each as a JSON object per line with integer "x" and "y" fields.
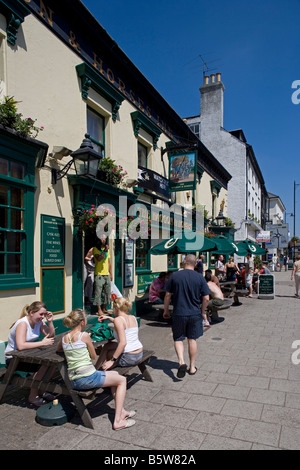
{"x": 95, "y": 134}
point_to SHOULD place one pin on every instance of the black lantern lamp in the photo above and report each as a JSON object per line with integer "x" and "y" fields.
{"x": 220, "y": 219}
{"x": 86, "y": 161}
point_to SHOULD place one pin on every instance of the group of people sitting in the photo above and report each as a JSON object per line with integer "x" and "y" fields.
{"x": 230, "y": 271}
{"x": 86, "y": 370}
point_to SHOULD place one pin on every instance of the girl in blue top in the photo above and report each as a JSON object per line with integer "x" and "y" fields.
{"x": 79, "y": 351}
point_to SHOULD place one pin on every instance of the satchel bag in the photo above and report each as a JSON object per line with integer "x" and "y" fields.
{"x": 101, "y": 333}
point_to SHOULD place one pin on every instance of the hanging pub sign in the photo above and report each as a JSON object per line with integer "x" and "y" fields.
{"x": 149, "y": 179}
{"x": 182, "y": 171}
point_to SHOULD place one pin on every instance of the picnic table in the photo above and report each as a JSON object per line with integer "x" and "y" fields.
{"x": 48, "y": 356}
{"x": 227, "y": 287}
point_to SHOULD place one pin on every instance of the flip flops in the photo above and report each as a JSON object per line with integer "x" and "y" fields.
{"x": 181, "y": 371}
{"x": 132, "y": 413}
{"x": 192, "y": 373}
{"x": 129, "y": 423}
{"x": 38, "y": 401}
{"x": 48, "y": 396}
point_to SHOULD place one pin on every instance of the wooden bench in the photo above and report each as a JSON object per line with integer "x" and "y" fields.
{"x": 90, "y": 394}
{"x": 239, "y": 293}
{"x": 214, "y": 309}
{"x": 2, "y": 372}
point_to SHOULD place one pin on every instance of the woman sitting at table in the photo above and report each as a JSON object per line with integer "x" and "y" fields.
{"x": 79, "y": 351}
{"x": 157, "y": 289}
{"x": 231, "y": 270}
{"x": 127, "y": 350}
{"x": 23, "y": 335}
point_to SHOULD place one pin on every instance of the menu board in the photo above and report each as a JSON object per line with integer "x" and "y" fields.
{"x": 266, "y": 286}
{"x": 52, "y": 241}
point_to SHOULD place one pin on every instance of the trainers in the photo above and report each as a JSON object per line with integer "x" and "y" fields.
{"x": 206, "y": 323}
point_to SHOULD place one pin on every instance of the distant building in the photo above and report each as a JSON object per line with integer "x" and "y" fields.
{"x": 246, "y": 205}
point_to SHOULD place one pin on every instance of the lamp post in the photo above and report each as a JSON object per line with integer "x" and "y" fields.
{"x": 220, "y": 219}
{"x": 295, "y": 184}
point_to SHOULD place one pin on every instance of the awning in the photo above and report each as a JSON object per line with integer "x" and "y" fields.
{"x": 189, "y": 242}
{"x": 225, "y": 246}
{"x": 251, "y": 247}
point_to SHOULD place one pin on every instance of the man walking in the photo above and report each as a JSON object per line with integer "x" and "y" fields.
{"x": 188, "y": 288}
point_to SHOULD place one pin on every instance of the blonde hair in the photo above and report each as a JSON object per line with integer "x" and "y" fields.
{"x": 123, "y": 304}
{"x": 74, "y": 318}
{"x": 34, "y": 307}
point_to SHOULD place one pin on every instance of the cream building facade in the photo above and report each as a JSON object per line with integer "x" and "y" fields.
{"x": 68, "y": 74}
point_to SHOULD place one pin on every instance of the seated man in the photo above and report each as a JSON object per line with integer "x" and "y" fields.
{"x": 217, "y": 297}
{"x": 213, "y": 277}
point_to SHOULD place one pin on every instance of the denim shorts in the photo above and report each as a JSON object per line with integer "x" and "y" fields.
{"x": 190, "y": 327}
{"x": 92, "y": 381}
{"x": 129, "y": 359}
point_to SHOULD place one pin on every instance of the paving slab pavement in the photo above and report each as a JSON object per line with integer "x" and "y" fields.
{"x": 244, "y": 396}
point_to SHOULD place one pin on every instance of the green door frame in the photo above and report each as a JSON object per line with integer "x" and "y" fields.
{"x": 86, "y": 192}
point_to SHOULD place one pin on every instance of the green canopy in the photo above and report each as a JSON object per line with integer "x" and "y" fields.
{"x": 251, "y": 247}
{"x": 188, "y": 243}
{"x": 225, "y": 246}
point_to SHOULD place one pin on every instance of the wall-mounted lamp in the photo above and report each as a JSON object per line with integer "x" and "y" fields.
{"x": 86, "y": 161}
{"x": 131, "y": 182}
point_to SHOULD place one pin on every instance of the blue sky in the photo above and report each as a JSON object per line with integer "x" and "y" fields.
{"x": 256, "y": 47}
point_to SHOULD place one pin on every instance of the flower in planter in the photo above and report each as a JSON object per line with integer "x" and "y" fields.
{"x": 210, "y": 235}
{"x": 9, "y": 117}
{"x": 111, "y": 173}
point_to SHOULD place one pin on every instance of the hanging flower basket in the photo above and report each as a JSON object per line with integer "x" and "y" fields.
{"x": 88, "y": 219}
{"x": 111, "y": 173}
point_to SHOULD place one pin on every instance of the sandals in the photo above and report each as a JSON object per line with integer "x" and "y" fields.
{"x": 192, "y": 373}
{"x": 38, "y": 401}
{"x": 182, "y": 371}
{"x": 48, "y": 396}
{"x": 132, "y": 413}
{"x": 129, "y": 423}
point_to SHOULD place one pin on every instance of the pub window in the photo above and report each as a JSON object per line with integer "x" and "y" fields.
{"x": 142, "y": 155}
{"x": 96, "y": 130}
{"x": 142, "y": 255}
{"x": 12, "y": 216}
{"x": 172, "y": 261}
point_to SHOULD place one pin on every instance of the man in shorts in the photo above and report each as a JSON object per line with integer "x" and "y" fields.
{"x": 249, "y": 269}
{"x": 188, "y": 290}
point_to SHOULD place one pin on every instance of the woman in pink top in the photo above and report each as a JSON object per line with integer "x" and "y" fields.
{"x": 157, "y": 288}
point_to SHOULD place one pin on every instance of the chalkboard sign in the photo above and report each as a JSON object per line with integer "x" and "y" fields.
{"x": 52, "y": 241}
{"x": 266, "y": 286}
{"x": 53, "y": 289}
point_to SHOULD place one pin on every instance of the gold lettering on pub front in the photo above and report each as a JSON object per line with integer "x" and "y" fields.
{"x": 45, "y": 13}
{"x": 73, "y": 42}
{"x": 98, "y": 63}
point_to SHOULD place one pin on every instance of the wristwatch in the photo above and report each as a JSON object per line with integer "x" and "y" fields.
{"x": 114, "y": 359}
